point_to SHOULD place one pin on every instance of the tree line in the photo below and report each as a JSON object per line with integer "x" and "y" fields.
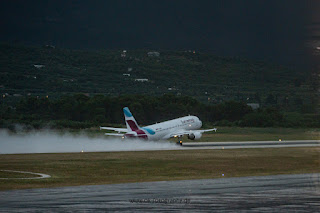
{"x": 79, "y": 111}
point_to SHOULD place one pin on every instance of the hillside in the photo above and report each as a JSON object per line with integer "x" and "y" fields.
{"x": 207, "y": 77}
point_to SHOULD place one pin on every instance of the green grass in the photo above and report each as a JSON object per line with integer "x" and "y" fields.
{"x": 10, "y": 174}
{"x": 123, "y": 167}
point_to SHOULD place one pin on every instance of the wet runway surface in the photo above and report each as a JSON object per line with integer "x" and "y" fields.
{"x": 281, "y": 193}
{"x": 251, "y": 144}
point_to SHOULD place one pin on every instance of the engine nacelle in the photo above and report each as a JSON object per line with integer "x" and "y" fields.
{"x": 194, "y": 136}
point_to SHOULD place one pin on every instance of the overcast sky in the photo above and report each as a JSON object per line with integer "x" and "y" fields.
{"x": 272, "y": 30}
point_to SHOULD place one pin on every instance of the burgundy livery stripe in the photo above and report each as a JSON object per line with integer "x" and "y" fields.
{"x": 132, "y": 125}
{"x": 140, "y": 132}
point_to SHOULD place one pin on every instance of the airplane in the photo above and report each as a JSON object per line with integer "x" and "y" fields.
{"x": 176, "y": 128}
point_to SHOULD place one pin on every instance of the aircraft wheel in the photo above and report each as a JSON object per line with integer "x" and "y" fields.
{"x": 179, "y": 143}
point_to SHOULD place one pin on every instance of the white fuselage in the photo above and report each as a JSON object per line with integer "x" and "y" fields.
{"x": 164, "y": 130}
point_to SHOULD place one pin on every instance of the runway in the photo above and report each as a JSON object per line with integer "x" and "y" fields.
{"x": 281, "y": 193}
{"x": 52, "y": 142}
{"x": 251, "y": 144}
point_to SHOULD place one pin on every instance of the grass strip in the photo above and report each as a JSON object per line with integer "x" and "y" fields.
{"x": 72, "y": 169}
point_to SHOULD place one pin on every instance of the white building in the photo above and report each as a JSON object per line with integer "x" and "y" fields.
{"x": 142, "y": 80}
{"x": 153, "y": 54}
{"x": 124, "y": 53}
{"x": 38, "y": 66}
{"x": 254, "y": 105}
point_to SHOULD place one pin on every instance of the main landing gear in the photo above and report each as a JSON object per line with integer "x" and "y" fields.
{"x": 179, "y": 141}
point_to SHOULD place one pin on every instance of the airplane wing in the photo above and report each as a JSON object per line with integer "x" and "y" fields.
{"x": 205, "y": 130}
{"x": 187, "y": 132}
{"x": 115, "y": 129}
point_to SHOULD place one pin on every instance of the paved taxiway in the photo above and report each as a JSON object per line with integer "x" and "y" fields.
{"x": 281, "y": 193}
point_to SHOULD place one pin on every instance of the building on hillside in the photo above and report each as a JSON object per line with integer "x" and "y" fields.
{"x": 124, "y": 53}
{"x": 254, "y": 105}
{"x": 153, "y": 54}
{"x": 38, "y": 66}
{"x": 141, "y": 79}
{"x": 48, "y": 46}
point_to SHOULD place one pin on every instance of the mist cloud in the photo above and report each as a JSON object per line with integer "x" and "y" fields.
{"x": 55, "y": 142}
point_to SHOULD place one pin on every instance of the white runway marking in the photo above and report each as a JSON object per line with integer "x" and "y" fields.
{"x": 39, "y": 174}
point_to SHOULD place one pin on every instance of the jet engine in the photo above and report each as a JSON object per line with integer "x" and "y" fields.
{"x": 194, "y": 136}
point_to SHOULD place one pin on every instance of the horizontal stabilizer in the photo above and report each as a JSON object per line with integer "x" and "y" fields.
{"x": 114, "y": 129}
{"x": 114, "y": 134}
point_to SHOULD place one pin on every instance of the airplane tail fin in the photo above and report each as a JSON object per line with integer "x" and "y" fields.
{"x": 131, "y": 123}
